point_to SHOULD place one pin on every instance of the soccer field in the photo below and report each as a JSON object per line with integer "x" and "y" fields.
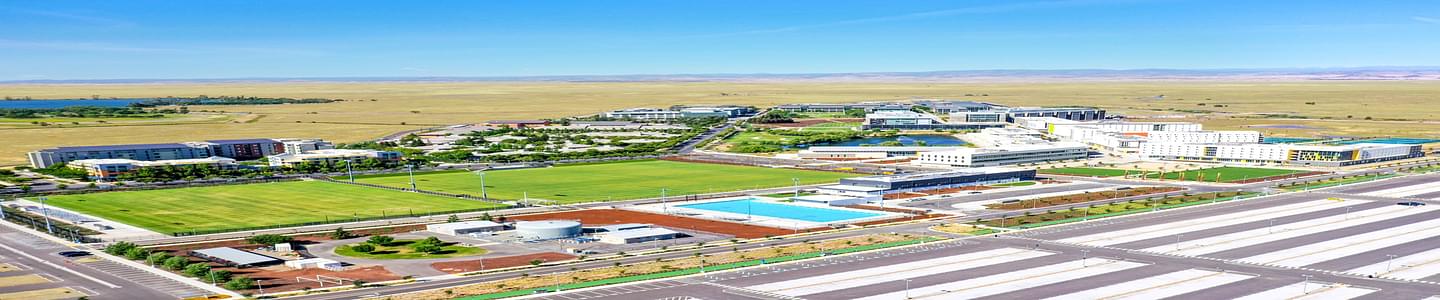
{"x": 1095, "y": 172}
{"x": 1225, "y": 174}
{"x": 255, "y": 205}
{"x": 609, "y": 181}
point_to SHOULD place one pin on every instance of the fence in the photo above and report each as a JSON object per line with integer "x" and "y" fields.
{"x": 334, "y": 221}
{"x": 63, "y": 230}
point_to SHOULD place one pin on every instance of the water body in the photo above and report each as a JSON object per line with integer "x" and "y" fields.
{"x": 61, "y": 103}
{"x": 907, "y": 140}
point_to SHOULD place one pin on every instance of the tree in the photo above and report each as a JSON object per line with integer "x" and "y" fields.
{"x": 219, "y": 275}
{"x": 431, "y": 240}
{"x": 426, "y": 248}
{"x": 363, "y": 248}
{"x": 157, "y": 258}
{"x": 339, "y": 234}
{"x": 240, "y": 283}
{"x": 136, "y": 253}
{"x": 536, "y": 262}
{"x": 453, "y": 219}
{"x": 268, "y": 239}
{"x": 120, "y": 248}
{"x": 380, "y": 240}
{"x": 197, "y": 269}
{"x": 486, "y": 217}
{"x": 176, "y": 263}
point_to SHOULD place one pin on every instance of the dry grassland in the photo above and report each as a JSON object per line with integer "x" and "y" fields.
{"x": 419, "y": 105}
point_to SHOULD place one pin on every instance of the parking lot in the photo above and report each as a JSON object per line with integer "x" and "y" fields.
{"x": 1321, "y": 245}
{"x": 30, "y": 269}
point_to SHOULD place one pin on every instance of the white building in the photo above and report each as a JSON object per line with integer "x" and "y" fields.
{"x": 305, "y": 145}
{"x": 638, "y": 235}
{"x": 1315, "y": 155}
{"x": 834, "y": 200}
{"x": 321, "y": 263}
{"x": 462, "y": 228}
{"x": 331, "y": 156}
{"x": 867, "y": 152}
{"x": 977, "y": 117}
{"x": 110, "y": 168}
{"x": 1251, "y": 137}
{"x": 1008, "y": 155}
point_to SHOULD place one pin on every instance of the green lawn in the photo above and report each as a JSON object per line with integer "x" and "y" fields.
{"x": 254, "y": 205}
{"x": 609, "y": 181}
{"x": 1095, "y": 172}
{"x": 400, "y": 249}
{"x": 1226, "y": 174}
{"x": 837, "y": 126}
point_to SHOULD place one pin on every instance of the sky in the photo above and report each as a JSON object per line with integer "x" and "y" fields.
{"x": 140, "y": 39}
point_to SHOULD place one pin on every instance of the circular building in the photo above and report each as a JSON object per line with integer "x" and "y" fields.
{"x": 547, "y": 229}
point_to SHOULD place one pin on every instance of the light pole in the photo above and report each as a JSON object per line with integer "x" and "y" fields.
{"x": 1177, "y": 241}
{"x": 664, "y": 208}
{"x": 46, "y": 210}
{"x": 411, "y": 170}
{"x": 1271, "y": 228}
{"x": 907, "y": 289}
{"x": 1305, "y": 287}
{"x": 1389, "y": 262}
{"x": 483, "y": 194}
{"x": 1084, "y": 253}
{"x": 797, "y": 185}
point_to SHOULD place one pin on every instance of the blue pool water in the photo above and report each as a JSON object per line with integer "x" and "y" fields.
{"x": 1402, "y": 141}
{"x": 780, "y": 210}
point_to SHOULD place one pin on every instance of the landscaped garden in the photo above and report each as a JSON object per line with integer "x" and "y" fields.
{"x": 1031, "y": 220}
{"x": 1080, "y": 198}
{"x": 385, "y": 247}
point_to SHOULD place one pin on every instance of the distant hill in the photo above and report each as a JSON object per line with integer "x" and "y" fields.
{"x": 1358, "y": 73}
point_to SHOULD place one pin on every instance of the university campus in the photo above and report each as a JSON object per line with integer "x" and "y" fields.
{"x": 1101, "y": 182}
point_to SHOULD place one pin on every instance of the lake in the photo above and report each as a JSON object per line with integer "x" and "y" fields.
{"x": 908, "y": 140}
{"x": 66, "y": 103}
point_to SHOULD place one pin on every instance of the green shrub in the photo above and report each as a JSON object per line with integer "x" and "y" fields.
{"x": 240, "y": 283}
{"x": 197, "y": 269}
{"x": 268, "y": 239}
{"x": 363, "y": 248}
{"x": 176, "y": 263}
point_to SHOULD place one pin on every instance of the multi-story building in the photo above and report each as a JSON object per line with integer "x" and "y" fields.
{"x": 871, "y": 186}
{"x": 1068, "y": 113}
{"x": 977, "y": 117}
{"x": 1242, "y": 136}
{"x": 242, "y": 149}
{"x": 111, "y": 168}
{"x": 909, "y": 120}
{"x": 840, "y": 107}
{"x": 331, "y": 156}
{"x": 657, "y": 114}
{"x": 1007, "y": 155}
{"x": 1309, "y": 155}
{"x": 949, "y": 107}
{"x": 305, "y": 145}
{"x": 867, "y": 152}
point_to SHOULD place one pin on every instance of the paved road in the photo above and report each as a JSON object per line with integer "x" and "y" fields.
{"x": 97, "y": 278}
{"x": 1240, "y": 262}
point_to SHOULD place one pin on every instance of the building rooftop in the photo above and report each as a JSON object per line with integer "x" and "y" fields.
{"x": 922, "y": 176}
{"x": 236, "y": 256}
{"x": 118, "y": 147}
{"x": 641, "y": 232}
{"x": 881, "y": 148}
{"x": 623, "y": 227}
{"x": 242, "y": 141}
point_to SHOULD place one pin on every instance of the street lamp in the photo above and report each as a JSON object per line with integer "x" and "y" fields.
{"x": 797, "y": 185}
{"x": 1084, "y": 253}
{"x": 411, "y": 170}
{"x": 1305, "y": 287}
{"x": 483, "y": 194}
{"x": 46, "y": 210}
{"x": 907, "y": 289}
{"x": 664, "y": 208}
{"x": 1177, "y": 241}
{"x": 1389, "y": 262}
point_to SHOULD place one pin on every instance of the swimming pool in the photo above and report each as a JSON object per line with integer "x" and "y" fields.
{"x": 780, "y": 210}
{"x": 1400, "y": 141}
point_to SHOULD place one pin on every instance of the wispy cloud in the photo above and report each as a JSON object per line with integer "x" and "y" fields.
{"x": 111, "y": 47}
{"x": 974, "y": 10}
{"x": 1425, "y": 20}
{"x": 81, "y": 18}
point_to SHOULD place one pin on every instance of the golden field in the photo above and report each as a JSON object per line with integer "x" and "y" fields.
{"x": 426, "y": 104}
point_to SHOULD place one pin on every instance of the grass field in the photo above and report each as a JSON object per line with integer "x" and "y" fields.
{"x": 610, "y": 181}
{"x": 424, "y": 104}
{"x": 254, "y": 205}
{"x": 400, "y": 249}
{"x": 837, "y": 126}
{"x": 1093, "y": 172}
{"x": 1226, "y": 174}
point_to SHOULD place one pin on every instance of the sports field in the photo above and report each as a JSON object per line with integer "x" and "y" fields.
{"x": 1225, "y": 174}
{"x": 1093, "y": 172}
{"x": 609, "y": 181}
{"x": 254, "y": 205}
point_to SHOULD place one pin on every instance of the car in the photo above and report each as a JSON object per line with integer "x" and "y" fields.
{"x": 1411, "y": 203}
{"x": 73, "y": 253}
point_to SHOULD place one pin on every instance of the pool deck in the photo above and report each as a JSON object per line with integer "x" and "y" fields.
{"x": 767, "y": 221}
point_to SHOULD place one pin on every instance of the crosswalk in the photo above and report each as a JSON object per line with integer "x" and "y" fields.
{"x": 147, "y": 279}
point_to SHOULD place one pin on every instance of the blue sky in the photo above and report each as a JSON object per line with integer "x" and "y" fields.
{"x": 229, "y": 39}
